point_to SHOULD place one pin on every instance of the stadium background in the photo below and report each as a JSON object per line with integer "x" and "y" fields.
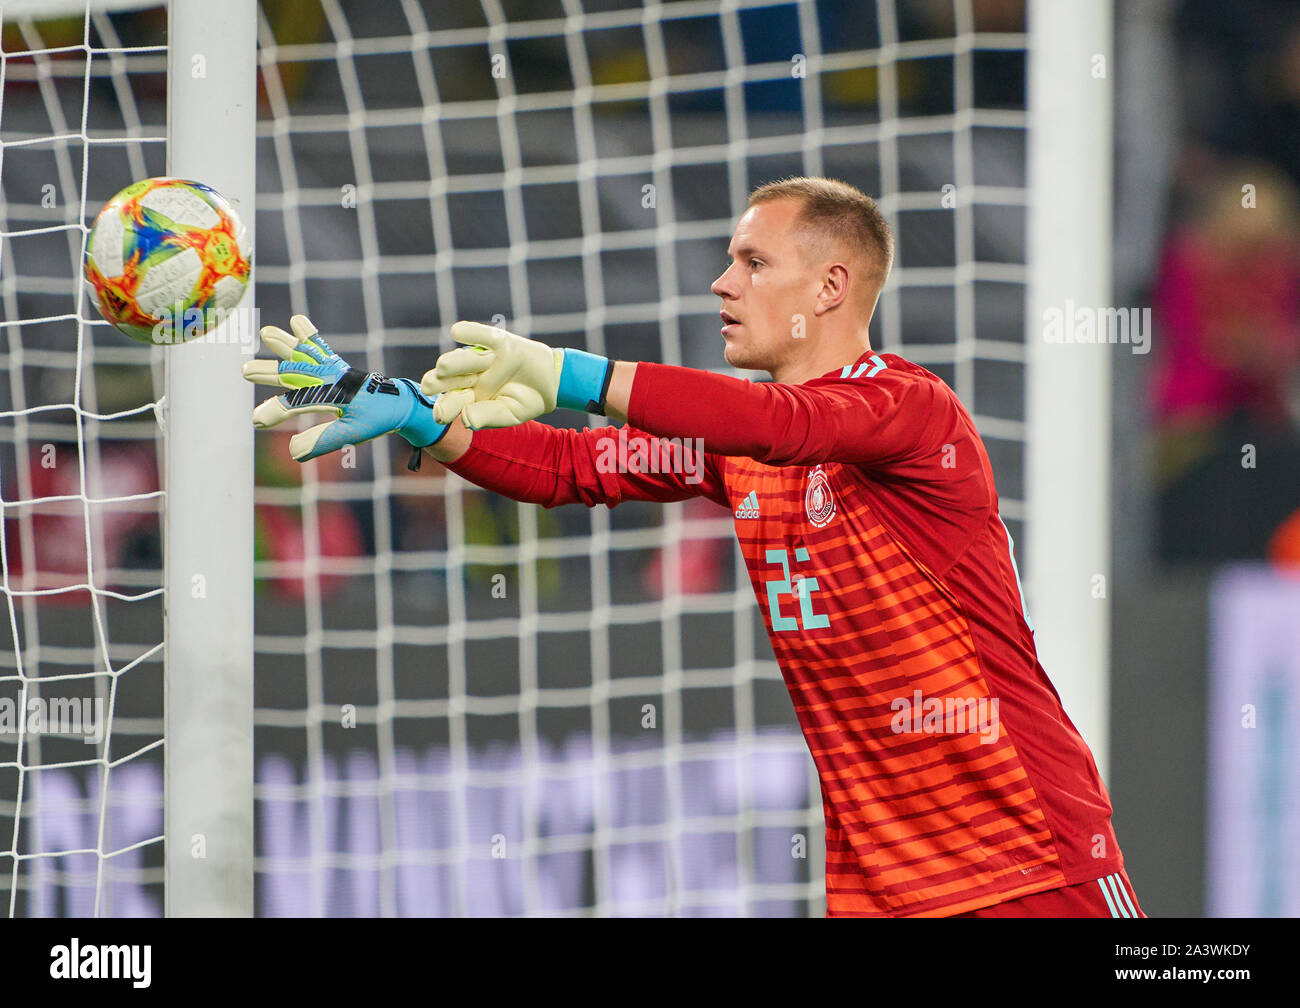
{"x": 1206, "y": 101}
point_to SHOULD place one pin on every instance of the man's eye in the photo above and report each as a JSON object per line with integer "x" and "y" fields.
{"x": 754, "y": 264}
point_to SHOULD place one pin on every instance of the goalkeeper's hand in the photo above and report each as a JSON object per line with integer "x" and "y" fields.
{"x": 365, "y": 405}
{"x": 499, "y": 379}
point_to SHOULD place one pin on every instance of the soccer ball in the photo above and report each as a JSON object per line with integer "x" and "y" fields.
{"x": 167, "y": 259}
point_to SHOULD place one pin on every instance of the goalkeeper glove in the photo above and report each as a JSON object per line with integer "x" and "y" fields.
{"x": 500, "y": 379}
{"x": 365, "y": 405}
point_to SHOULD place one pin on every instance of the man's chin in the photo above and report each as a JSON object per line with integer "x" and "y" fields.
{"x": 742, "y": 359}
{"x": 734, "y": 354}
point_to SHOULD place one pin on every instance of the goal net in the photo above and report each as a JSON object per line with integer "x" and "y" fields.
{"x": 82, "y": 113}
{"x": 463, "y": 705}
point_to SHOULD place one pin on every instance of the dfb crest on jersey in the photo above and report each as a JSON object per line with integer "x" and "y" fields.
{"x": 818, "y": 500}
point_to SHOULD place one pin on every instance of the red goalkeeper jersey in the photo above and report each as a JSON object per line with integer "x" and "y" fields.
{"x": 864, "y": 503}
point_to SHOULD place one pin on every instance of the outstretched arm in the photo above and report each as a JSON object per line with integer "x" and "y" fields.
{"x": 874, "y": 415}
{"x": 879, "y": 417}
{"x": 532, "y": 463}
{"x": 539, "y": 464}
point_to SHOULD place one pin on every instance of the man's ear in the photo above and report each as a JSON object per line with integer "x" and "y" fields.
{"x": 834, "y": 288}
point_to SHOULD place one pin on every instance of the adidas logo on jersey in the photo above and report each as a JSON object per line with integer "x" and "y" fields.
{"x": 749, "y": 506}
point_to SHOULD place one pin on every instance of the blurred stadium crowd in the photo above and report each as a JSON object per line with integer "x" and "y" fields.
{"x": 1224, "y": 384}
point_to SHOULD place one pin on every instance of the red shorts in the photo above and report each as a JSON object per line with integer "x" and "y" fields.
{"x": 1108, "y": 896}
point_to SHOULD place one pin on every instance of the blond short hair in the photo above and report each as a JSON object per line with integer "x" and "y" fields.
{"x": 842, "y": 212}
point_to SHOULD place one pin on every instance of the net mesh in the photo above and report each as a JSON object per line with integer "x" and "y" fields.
{"x": 81, "y": 680}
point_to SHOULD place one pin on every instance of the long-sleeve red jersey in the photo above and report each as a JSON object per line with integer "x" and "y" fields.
{"x": 864, "y": 503}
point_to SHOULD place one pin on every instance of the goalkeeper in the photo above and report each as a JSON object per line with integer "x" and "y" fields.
{"x": 953, "y": 782}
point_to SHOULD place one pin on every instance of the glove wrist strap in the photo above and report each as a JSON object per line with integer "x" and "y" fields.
{"x": 584, "y": 382}
{"x": 421, "y": 430}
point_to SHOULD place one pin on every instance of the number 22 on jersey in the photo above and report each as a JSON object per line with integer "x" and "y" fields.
{"x": 778, "y": 587}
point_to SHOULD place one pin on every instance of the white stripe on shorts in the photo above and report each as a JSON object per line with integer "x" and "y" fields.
{"x": 1119, "y": 884}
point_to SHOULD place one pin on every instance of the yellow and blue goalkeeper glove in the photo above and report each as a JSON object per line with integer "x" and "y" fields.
{"x": 500, "y": 379}
{"x": 365, "y": 405}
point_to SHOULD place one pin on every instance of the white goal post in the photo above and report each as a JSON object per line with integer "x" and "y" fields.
{"x": 1068, "y": 397}
{"x": 208, "y": 533}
